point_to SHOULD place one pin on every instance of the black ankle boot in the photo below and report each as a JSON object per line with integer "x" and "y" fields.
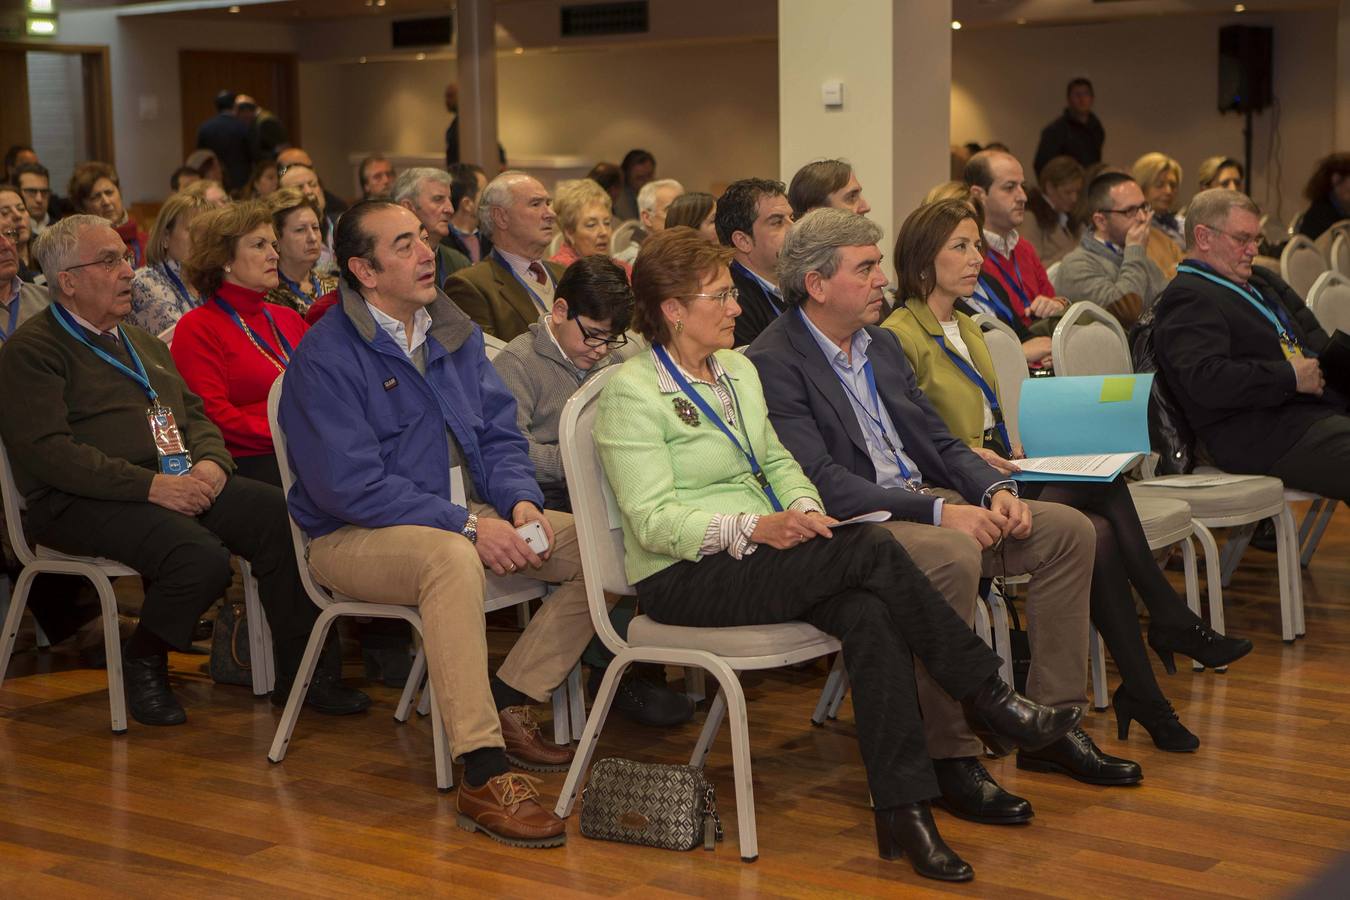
{"x": 909, "y": 830}
{"x": 327, "y": 694}
{"x": 1198, "y": 641}
{"x": 1005, "y": 720}
{"x": 149, "y": 697}
{"x": 1159, "y": 720}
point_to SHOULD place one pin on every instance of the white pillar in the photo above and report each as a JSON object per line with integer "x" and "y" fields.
{"x": 1342, "y": 142}
{"x": 477, "y": 61}
{"x": 894, "y": 58}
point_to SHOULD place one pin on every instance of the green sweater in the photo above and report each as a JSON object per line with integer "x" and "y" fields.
{"x": 670, "y": 478}
{"x": 74, "y": 424}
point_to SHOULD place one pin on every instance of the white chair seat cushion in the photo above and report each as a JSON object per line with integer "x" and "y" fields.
{"x": 1165, "y": 520}
{"x": 740, "y": 640}
{"x": 110, "y": 568}
{"x": 1217, "y": 501}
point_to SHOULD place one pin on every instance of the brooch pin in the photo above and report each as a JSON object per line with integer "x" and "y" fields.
{"x": 686, "y": 411}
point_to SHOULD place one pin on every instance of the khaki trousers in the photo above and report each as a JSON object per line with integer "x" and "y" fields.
{"x": 440, "y": 573}
{"x": 1058, "y": 556}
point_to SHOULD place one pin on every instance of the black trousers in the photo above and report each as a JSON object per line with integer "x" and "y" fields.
{"x": 1320, "y": 460}
{"x": 1123, "y": 559}
{"x": 185, "y": 560}
{"x": 861, "y": 587}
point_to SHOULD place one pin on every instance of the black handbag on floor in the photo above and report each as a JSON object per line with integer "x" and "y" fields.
{"x": 230, "y": 663}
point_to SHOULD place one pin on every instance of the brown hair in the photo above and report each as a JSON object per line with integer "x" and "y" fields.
{"x": 672, "y": 263}
{"x": 178, "y": 207}
{"x": 1059, "y": 171}
{"x": 814, "y": 183}
{"x": 921, "y": 238}
{"x": 1319, "y": 185}
{"x": 83, "y": 179}
{"x": 215, "y": 239}
{"x": 689, "y": 209}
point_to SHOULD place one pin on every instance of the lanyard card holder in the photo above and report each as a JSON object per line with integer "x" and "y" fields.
{"x": 173, "y": 456}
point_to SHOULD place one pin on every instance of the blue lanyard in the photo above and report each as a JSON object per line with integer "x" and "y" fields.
{"x": 713, "y": 417}
{"x": 137, "y": 375}
{"x": 538, "y": 301}
{"x": 1014, "y": 282}
{"x": 763, "y": 286}
{"x": 993, "y": 301}
{"x": 185, "y": 301}
{"x": 1254, "y": 298}
{"x": 284, "y": 357}
{"x": 313, "y": 283}
{"x": 13, "y": 317}
{"x": 973, "y": 374}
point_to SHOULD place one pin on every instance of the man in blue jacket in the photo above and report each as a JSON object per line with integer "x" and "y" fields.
{"x": 411, "y": 479}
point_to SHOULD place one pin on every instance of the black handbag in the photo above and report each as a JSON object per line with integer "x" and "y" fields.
{"x": 669, "y": 807}
{"x": 230, "y": 663}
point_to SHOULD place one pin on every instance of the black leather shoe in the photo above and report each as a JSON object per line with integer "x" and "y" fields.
{"x": 389, "y": 666}
{"x": 1198, "y": 641}
{"x": 149, "y": 698}
{"x": 1076, "y": 756}
{"x": 909, "y": 830}
{"x": 327, "y": 694}
{"x": 1005, "y": 720}
{"x": 645, "y": 699}
{"x": 969, "y": 792}
{"x": 1159, "y": 719}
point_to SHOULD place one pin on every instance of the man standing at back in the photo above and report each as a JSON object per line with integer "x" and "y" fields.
{"x": 1077, "y": 133}
{"x": 227, "y": 136}
{"x": 753, "y": 219}
{"x": 514, "y": 285}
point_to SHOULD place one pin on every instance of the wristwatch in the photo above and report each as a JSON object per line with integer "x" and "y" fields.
{"x": 470, "y": 529}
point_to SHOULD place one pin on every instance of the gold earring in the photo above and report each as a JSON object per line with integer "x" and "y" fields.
{"x": 227, "y": 270}
{"x": 679, "y": 326}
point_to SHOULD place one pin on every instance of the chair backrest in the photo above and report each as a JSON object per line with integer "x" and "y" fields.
{"x": 317, "y": 592}
{"x": 1301, "y": 263}
{"x": 167, "y": 334}
{"x": 1329, "y": 299}
{"x": 14, "y": 506}
{"x": 1323, "y": 241}
{"x": 1090, "y": 341}
{"x": 492, "y": 345}
{"x": 1051, "y": 271}
{"x": 594, "y": 510}
{"x": 1010, "y": 368}
{"x": 623, "y": 236}
{"x": 1340, "y": 253}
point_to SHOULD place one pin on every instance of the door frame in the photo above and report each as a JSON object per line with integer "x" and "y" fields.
{"x": 96, "y": 74}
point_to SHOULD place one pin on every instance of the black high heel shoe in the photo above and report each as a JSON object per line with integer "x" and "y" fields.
{"x": 909, "y": 830}
{"x": 1198, "y": 641}
{"x": 1159, "y": 720}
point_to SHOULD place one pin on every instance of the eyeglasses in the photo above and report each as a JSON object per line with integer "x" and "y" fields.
{"x": 1243, "y": 240}
{"x": 1129, "y": 211}
{"x": 108, "y": 261}
{"x": 722, "y": 298}
{"x": 595, "y": 338}
{"x": 36, "y": 192}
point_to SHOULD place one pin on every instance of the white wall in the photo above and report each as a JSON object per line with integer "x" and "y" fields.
{"x": 1157, "y": 87}
{"x": 147, "y": 104}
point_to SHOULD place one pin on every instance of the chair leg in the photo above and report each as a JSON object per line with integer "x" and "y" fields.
{"x": 1193, "y": 590}
{"x": 982, "y": 624}
{"x": 112, "y": 648}
{"x": 416, "y": 675}
{"x": 1286, "y": 557}
{"x": 1294, "y": 570}
{"x": 303, "y": 676}
{"x": 711, "y": 725}
{"x": 259, "y": 643}
{"x": 18, "y": 599}
{"x": 445, "y": 772}
{"x": 581, "y": 760}
{"x": 1238, "y": 541}
{"x": 1213, "y": 575}
{"x": 1315, "y": 538}
{"x": 828, "y": 693}
{"x": 740, "y": 759}
{"x": 1097, "y": 655}
{"x": 424, "y": 704}
{"x": 576, "y": 695}
{"x": 839, "y": 694}
{"x": 998, "y": 615}
{"x": 523, "y": 615}
{"x": 562, "y": 729}
{"x": 695, "y": 687}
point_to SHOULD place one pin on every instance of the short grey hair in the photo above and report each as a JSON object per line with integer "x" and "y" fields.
{"x": 646, "y": 198}
{"x": 1211, "y": 208}
{"x": 59, "y": 244}
{"x": 813, "y": 246}
{"x": 497, "y": 195}
{"x": 408, "y": 185}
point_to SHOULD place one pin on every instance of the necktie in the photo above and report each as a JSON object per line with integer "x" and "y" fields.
{"x": 537, "y": 271}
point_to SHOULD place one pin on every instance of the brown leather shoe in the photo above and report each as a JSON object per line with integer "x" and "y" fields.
{"x": 505, "y": 809}
{"x": 526, "y": 747}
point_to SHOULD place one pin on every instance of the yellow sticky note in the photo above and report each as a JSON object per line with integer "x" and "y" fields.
{"x": 1116, "y": 388}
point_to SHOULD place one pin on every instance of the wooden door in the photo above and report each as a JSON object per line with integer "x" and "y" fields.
{"x": 15, "y": 126}
{"x": 270, "y": 78}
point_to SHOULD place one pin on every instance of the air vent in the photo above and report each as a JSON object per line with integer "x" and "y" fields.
{"x": 430, "y": 32}
{"x": 593, "y": 19}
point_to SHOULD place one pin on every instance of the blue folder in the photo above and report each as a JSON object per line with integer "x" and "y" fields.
{"x": 1084, "y": 414}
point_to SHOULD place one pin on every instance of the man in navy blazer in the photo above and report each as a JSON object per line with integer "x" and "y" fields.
{"x": 843, "y": 399}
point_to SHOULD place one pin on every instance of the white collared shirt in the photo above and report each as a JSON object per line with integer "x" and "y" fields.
{"x": 1001, "y": 245}
{"x": 394, "y": 328}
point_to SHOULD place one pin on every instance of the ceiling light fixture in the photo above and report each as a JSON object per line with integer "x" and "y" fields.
{"x": 1239, "y": 7}
{"x": 956, "y": 24}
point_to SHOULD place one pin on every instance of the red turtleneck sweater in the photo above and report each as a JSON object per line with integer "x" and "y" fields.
{"x": 232, "y": 376}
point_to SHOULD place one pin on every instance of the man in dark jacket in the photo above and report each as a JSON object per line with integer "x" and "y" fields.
{"x": 412, "y": 477}
{"x": 753, "y": 218}
{"x": 1240, "y": 353}
{"x": 226, "y": 135}
{"x": 1077, "y": 133}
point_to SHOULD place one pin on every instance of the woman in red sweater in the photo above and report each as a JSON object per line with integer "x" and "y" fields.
{"x": 232, "y": 347}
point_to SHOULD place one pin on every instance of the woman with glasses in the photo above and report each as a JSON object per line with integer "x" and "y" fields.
{"x": 939, "y": 254}
{"x": 723, "y": 528}
{"x": 160, "y": 294}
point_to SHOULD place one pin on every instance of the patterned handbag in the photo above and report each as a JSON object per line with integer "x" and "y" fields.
{"x": 670, "y": 807}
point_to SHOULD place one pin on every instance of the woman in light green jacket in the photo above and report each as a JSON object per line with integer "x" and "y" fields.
{"x": 723, "y": 528}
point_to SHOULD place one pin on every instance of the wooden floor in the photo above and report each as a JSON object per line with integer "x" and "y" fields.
{"x": 353, "y": 811}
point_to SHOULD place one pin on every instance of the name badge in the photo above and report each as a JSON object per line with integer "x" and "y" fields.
{"x": 174, "y": 458}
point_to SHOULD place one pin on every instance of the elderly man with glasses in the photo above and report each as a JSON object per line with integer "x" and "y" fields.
{"x": 1244, "y": 356}
{"x": 1110, "y": 266}
{"x": 117, "y": 459}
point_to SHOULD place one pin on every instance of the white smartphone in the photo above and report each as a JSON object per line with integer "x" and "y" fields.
{"x": 535, "y": 538}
